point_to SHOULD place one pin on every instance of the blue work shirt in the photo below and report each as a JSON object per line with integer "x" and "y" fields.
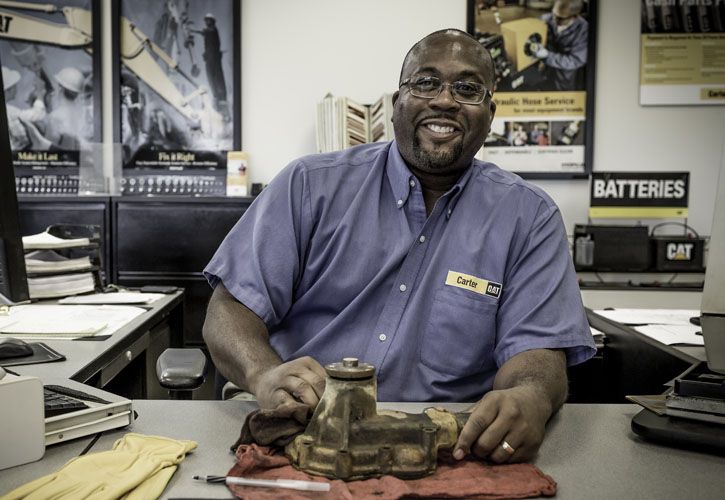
{"x": 338, "y": 258}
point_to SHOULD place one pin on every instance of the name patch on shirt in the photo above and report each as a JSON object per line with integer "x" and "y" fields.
{"x": 474, "y": 284}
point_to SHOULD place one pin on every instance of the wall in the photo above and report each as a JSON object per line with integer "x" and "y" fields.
{"x": 294, "y": 52}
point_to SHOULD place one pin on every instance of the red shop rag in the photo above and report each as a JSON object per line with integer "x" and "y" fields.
{"x": 468, "y": 478}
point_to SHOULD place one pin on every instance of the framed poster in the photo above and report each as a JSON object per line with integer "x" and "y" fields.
{"x": 543, "y": 54}
{"x": 51, "y": 76}
{"x": 178, "y": 91}
{"x": 682, "y": 52}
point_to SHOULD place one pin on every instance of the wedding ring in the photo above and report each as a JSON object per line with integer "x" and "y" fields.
{"x": 507, "y": 448}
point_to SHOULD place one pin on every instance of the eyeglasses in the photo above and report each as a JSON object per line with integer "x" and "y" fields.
{"x": 429, "y": 87}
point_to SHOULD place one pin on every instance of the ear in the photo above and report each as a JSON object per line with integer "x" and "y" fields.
{"x": 395, "y": 96}
{"x": 492, "y": 111}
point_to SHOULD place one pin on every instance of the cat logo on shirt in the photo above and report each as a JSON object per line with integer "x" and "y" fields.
{"x": 474, "y": 284}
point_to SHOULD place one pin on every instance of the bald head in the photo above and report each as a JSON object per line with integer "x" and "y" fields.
{"x": 458, "y": 41}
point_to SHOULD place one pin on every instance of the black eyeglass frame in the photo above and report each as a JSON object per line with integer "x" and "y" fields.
{"x": 486, "y": 91}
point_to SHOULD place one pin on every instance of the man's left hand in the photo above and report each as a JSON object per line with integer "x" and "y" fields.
{"x": 507, "y": 425}
{"x": 539, "y": 51}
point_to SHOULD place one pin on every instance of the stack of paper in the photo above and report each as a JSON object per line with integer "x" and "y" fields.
{"x": 62, "y": 285}
{"x": 46, "y": 240}
{"x": 49, "y": 261}
{"x": 53, "y": 265}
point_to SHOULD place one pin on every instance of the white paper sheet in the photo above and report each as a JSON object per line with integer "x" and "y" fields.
{"x": 650, "y": 316}
{"x": 47, "y": 321}
{"x": 596, "y": 333}
{"x": 113, "y": 298}
{"x": 673, "y": 334}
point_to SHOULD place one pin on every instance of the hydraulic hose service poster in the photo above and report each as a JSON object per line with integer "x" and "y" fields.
{"x": 51, "y": 80}
{"x": 682, "y": 59}
{"x": 178, "y": 95}
{"x": 543, "y": 55}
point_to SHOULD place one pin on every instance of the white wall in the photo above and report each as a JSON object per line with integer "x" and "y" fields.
{"x": 294, "y": 52}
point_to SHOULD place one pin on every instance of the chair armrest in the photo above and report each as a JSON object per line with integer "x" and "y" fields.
{"x": 181, "y": 369}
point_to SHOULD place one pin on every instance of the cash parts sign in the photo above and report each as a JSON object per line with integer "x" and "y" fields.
{"x": 648, "y": 195}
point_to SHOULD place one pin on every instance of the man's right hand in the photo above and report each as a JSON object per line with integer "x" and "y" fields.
{"x": 301, "y": 379}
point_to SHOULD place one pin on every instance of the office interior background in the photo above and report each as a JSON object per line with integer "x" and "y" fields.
{"x": 293, "y": 53}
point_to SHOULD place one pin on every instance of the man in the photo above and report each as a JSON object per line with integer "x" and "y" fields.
{"x": 449, "y": 275}
{"x": 17, "y": 117}
{"x": 565, "y": 54}
{"x": 213, "y": 59}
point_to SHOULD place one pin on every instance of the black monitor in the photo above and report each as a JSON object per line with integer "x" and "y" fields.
{"x": 713, "y": 294}
{"x": 13, "y": 281}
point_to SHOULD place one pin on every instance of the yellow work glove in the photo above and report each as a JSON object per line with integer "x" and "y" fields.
{"x": 137, "y": 467}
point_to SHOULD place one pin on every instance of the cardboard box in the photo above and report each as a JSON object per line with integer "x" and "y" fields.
{"x": 516, "y": 34}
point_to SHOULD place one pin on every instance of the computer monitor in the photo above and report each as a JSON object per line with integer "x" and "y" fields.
{"x": 713, "y": 295}
{"x": 13, "y": 280}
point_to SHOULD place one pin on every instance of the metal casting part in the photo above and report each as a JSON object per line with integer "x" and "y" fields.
{"x": 347, "y": 438}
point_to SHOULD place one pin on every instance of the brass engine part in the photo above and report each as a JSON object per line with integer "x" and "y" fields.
{"x": 347, "y": 438}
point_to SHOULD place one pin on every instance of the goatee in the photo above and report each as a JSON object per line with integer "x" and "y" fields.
{"x": 436, "y": 159}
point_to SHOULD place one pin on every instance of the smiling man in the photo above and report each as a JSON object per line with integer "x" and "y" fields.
{"x": 449, "y": 275}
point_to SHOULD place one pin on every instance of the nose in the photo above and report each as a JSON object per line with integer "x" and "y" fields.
{"x": 444, "y": 99}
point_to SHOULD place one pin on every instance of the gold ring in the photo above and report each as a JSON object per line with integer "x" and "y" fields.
{"x": 507, "y": 448}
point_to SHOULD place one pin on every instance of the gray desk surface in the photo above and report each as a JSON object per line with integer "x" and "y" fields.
{"x": 589, "y": 450}
{"x": 81, "y": 355}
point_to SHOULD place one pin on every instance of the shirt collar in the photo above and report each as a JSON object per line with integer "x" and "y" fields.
{"x": 400, "y": 178}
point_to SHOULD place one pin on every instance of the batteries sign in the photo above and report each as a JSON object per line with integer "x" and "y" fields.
{"x": 639, "y": 194}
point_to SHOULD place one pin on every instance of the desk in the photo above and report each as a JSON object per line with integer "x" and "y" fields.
{"x": 637, "y": 364}
{"x": 589, "y": 450}
{"x": 141, "y": 341}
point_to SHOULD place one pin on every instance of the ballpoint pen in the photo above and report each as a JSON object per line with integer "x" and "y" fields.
{"x": 290, "y": 484}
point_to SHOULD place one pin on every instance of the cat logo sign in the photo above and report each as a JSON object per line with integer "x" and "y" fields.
{"x": 679, "y": 251}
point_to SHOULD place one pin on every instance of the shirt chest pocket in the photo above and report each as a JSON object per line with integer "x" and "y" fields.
{"x": 460, "y": 334}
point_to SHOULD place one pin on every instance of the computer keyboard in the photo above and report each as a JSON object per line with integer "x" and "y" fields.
{"x": 58, "y": 404}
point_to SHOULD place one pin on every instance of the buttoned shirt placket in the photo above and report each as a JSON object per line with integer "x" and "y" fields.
{"x": 412, "y": 207}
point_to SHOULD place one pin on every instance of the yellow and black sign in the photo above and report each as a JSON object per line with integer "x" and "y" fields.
{"x": 639, "y": 194}
{"x": 474, "y": 284}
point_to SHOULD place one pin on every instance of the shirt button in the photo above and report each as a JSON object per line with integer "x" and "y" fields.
{"x": 403, "y": 287}
{"x": 382, "y": 337}
{"x": 422, "y": 239}
{"x": 412, "y": 183}
{"x": 400, "y": 203}
{"x": 450, "y": 211}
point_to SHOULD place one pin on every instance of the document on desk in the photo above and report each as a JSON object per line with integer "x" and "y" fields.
{"x": 65, "y": 322}
{"x": 113, "y": 298}
{"x": 673, "y": 334}
{"x": 597, "y": 334}
{"x": 649, "y": 316}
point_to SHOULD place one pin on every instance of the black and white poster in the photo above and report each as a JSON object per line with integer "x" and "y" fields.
{"x": 52, "y": 89}
{"x": 543, "y": 55}
{"x": 179, "y": 88}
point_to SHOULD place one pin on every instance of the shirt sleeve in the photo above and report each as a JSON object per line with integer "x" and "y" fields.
{"x": 260, "y": 260}
{"x": 541, "y": 306}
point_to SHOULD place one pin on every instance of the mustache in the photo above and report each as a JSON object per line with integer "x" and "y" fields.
{"x": 438, "y": 116}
